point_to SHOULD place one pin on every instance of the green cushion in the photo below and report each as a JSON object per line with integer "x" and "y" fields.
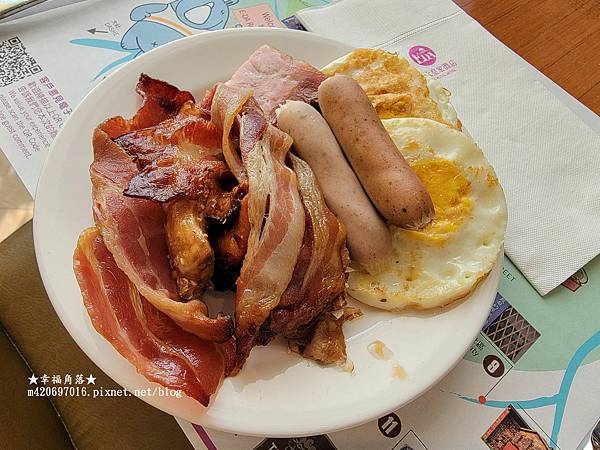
{"x": 29, "y": 319}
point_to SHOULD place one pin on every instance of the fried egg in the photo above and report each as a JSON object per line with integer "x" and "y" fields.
{"x": 445, "y": 260}
{"x": 395, "y": 88}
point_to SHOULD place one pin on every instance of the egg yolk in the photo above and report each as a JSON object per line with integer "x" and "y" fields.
{"x": 450, "y": 193}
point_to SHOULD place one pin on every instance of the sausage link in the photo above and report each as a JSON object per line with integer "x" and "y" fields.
{"x": 389, "y": 181}
{"x": 369, "y": 239}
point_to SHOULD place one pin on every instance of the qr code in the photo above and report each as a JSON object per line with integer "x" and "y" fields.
{"x": 16, "y": 62}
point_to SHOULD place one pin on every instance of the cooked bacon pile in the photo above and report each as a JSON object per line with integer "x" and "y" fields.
{"x": 189, "y": 196}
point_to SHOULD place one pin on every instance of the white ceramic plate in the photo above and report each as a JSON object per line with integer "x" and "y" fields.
{"x": 277, "y": 393}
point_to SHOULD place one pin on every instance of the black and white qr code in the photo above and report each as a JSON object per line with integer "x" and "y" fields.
{"x": 16, "y": 64}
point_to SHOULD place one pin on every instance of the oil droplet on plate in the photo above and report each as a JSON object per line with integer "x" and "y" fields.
{"x": 379, "y": 350}
{"x": 348, "y": 366}
{"x": 399, "y": 372}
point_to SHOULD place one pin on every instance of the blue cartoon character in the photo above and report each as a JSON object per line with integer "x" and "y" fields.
{"x": 155, "y": 24}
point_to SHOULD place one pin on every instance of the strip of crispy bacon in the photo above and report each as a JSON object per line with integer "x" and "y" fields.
{"x": 179, "y": 156}
{"x": 227, "y": 103}
{"x": 275, "y": 77}
{"x": 266, "y": 80}
{"x": 160, "y": 101}
{"x": 153, "y": 343}
{"x": 320, "y": 273}
{"x": 276, "y": 217}
{"x": 189, "y": 129}
{"x": 253, "y": 125}
{"x": 133, "y": 230}
{"x": 313, "y": 309}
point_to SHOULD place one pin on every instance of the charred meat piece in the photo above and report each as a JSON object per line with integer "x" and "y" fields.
{"x": 190, "y": 129}
{"x": 222, "y": 203}
{"x": 323, "y": 341}
{"x": 178, "y": 157}
{"x": 181, "y": 157}
{"x": 188, "y": 225}
{"x": 190, "y": 252}
{"x": 230, "y": 247}
{"x": 181, "y": 165}
{"x": 168, "y": 178}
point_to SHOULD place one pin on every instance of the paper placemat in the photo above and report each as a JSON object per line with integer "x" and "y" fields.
{"x": 536, "y": 362}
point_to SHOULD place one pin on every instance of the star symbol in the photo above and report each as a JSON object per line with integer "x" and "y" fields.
{"x": 32, "y": 379}
{"x": 91, "y": 379}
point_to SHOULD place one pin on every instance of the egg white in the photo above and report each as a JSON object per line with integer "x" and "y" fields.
{"x": 425, "y": 273}
{"x": 436, "y": 91}
{"x": 441, "y": 96}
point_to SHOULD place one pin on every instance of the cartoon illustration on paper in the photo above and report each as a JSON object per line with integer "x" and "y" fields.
{"x": 155, "y": 24}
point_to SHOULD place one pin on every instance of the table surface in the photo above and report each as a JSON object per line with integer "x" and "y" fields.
{"x": 561, "y": 38}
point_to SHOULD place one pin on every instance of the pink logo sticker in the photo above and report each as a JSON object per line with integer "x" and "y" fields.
{"x": 422, "y": 55}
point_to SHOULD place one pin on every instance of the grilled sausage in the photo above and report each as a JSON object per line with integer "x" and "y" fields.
{"x": 389, "y": 181}
{"x": 369, "y": 239}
